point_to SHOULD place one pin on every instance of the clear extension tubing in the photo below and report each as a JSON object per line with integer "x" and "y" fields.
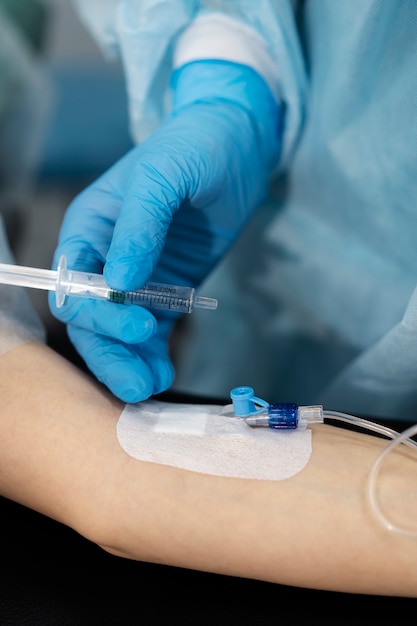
{"x": 397, "y": 439}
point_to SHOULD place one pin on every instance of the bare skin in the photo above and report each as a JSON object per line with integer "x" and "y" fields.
{"x": 59, "y": 455}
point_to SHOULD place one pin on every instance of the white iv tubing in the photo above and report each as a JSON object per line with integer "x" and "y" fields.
{"x": 373, "y": 477}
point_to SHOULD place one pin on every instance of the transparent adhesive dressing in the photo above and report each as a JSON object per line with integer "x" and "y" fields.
{"x": 67, "y": 282}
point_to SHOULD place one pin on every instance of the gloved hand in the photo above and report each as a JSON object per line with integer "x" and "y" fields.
{"x": 167, "y": 211}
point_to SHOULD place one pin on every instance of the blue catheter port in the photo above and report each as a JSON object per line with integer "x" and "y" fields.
{"x": 245, "y": 402}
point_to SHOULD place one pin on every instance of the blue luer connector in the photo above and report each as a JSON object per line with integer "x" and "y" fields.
{"x": 283, "y": 415}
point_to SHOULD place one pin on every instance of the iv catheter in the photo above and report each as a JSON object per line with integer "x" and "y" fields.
{"x": 258, "y": 413}
{"x": 67, "y": 282}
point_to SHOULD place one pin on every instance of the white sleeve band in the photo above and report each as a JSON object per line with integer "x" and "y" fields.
{"x": 216, "y": 36}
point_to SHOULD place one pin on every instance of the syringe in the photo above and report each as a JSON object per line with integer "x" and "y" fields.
{"x": 67, "y": 282}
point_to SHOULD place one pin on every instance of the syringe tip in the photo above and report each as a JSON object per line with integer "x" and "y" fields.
{"x": 205, "y": 303}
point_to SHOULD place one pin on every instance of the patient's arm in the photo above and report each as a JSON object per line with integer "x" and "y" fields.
{"x": 59, "y": 455}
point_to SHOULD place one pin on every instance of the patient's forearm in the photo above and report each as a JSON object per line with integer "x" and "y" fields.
{"x": 59, "y": 454}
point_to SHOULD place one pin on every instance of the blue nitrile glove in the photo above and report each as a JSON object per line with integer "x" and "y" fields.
{"x": 168, "y": 210}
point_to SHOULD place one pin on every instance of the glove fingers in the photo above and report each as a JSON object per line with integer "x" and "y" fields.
{"x": 128, "y": 374}
{"x": 126, "y": 324}
{"x": 141, "y": 228}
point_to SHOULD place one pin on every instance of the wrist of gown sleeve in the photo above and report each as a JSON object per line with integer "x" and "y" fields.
{"x": 216, "y": 36}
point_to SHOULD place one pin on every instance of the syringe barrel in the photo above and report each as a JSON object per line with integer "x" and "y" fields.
{"x": 158, "y": 296}
{"x": 152, "y": 295}
{"x": 162, "y": 296}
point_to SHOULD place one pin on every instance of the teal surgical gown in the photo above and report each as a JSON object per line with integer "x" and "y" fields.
{"x": 318, "y": 299}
